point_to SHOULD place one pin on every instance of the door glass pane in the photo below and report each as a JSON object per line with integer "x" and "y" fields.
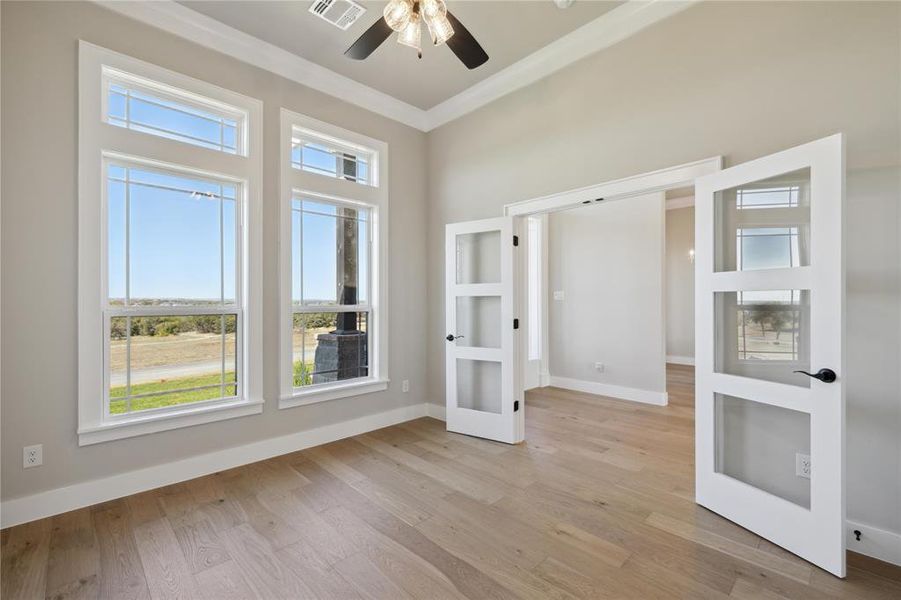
{"x": 764, "y": 224}
{"x": 479, "y": 385}
{"x": 763, "y": 334}
{"x": 479, "y": 257}
{"x": 759, "y": 444}
{"x": 479, "y": 321}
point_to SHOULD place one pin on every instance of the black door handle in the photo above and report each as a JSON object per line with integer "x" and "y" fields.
{"x": 824, "y": 375}
{"x": 451, "y": 337}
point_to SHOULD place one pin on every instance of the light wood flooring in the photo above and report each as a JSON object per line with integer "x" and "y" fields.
{"x": 597, "y": 504}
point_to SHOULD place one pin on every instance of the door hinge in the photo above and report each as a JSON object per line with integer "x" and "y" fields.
{"x": 515, "y": 323}
{"x": 516, "y": 406}
{"x": 516, "y": 240}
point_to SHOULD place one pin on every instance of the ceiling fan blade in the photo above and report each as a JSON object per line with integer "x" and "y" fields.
{"x": 464, "y": 45}
{"x": 371, "y": 39}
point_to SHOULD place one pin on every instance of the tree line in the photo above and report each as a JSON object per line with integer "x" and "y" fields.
{"x": 171, "y": 325}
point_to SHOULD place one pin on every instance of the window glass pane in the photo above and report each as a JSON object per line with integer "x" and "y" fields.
{"x": 115, "y": 199}
{"x": 763, "y": 334}
{"x": 363, "y": 259}
{"x": 320, "y": 260}
{"x": 330, "y": 253}
{"x": 329, "y": 347}
{"x": 229, "y": 250}
{"x": 324, "y": 158}
{"x": 181, "y": 238}
{"x": 764, "y": 224}
{"x": 159, "y": 361}
{"x": 184, "y": 121}
{"x": 117, "y": 357}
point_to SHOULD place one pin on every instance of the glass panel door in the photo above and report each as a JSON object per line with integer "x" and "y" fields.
{"x": 769, "y": 357}
{"x": 484, "y": 397}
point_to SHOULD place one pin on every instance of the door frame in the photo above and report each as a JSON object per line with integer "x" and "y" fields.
{"x": 539, "y": 366}
{"x": 661, "y": 180}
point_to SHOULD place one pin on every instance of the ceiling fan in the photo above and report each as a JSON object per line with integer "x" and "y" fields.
{"x": 406, "y": 18}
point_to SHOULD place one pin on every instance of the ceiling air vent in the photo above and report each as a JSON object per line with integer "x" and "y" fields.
{"x": 340, "y": 13}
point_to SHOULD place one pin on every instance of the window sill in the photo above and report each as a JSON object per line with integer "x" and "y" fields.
{"x": 144, "y": 424}
{"x": 333, "y": 391}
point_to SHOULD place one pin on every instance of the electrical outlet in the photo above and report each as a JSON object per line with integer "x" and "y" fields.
{"x": 406, "y": 385}
{"x": 558, "y": 295}
{"x": 802, "y": 465}
{"x": 599, "y": 367}
{"x": 32, "y": 456}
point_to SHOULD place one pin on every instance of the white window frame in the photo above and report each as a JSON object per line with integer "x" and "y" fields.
{"x": 100, "y": 143}
{"x": 297, "y": 182}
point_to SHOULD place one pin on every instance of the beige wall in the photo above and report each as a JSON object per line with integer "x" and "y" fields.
{"x": 680, "y": 283}
{"x": 740, "y": 80}
{"x": 608, "y": 260}
{"x": 39, "y": 100}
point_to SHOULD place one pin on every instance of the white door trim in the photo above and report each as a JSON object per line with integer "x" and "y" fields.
{"x": 645, "y": 183}
{"x": 661, "y": 180}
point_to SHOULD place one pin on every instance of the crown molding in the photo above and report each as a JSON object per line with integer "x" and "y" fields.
{"x": 614, "y": 26}
{"x": 622, "y": 22}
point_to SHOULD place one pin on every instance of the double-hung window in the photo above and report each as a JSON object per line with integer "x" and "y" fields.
{"x": 169, "y": 235}
{"x": 334, "y": 211}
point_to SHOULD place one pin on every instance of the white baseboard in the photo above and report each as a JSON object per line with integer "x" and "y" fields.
{"x": 60, "y": 500}
{"x": 613, "y": 391}
{"x": 680, "y": 360}
{"x": 878, "y": 543}
{"x": 544, "y": 379}
{"x": 436, "y": 411}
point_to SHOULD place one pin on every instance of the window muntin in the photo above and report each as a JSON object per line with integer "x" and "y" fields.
{"x": 161, "y": 361}
{"x": 750, "y": 198}
{"x": 331, "y": 261}
{"x": 173, "y": 312}
{"x": 145, "y": 106}
{"x": 323, "y": 156}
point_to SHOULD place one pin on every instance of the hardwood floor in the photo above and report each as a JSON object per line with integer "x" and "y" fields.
{"x": 597, "y": 504}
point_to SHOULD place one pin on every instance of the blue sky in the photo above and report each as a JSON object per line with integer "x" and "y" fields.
{"x": 174, "y": 223}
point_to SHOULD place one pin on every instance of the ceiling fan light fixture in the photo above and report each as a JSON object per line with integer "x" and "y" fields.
{"x": 411, "y": 35}
{"x": 398, "y": 14}
{"x": 440, "y": 29}
{"x": 432, "y": 9}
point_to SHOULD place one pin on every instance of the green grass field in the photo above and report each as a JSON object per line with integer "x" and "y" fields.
{"x": 118, "y": 403}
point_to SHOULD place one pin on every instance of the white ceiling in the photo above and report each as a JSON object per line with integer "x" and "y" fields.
{"x": 508, "y": 30}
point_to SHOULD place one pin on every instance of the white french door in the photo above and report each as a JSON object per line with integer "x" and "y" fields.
{"x": 769, "y": 301}
{"x": 484, "y": 395}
